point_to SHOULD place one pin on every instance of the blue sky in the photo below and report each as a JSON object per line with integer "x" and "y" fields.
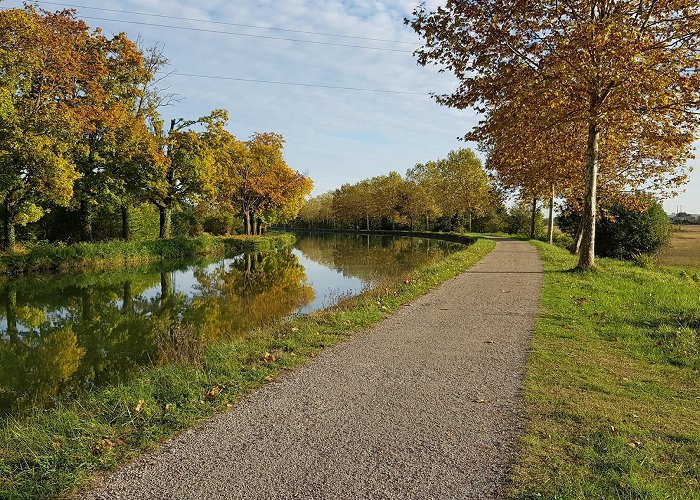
{"x": 335, "y": 136}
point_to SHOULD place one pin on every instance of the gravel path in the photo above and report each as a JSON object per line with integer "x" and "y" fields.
{"x": 426, "y": 404}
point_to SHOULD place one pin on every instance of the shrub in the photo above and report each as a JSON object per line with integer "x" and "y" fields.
{"x": 218, "y": 224}
{"x": 625, "y": 233}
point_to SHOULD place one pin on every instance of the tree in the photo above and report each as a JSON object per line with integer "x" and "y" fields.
{"x": 45, "y": 69}
{"x": 458, "y": 185}
{"x": 188, "y": 170}
{"x": 254, "y": 180}
{"x": 114, "y": 132}
{"x": 624, "y": 74}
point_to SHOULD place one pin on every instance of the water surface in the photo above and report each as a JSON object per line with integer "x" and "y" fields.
{"x": 62, "y": 334}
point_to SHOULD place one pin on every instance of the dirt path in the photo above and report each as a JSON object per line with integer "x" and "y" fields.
{"x": 427, "y": 404}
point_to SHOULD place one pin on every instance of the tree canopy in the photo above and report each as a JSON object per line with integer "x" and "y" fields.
{"x": 595, "y": 89}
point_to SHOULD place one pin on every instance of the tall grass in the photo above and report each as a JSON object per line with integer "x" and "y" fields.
{"x": 114, "y": 254}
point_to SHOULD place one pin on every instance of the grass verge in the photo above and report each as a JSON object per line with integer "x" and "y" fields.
{"x": 613, "y": 386}
{"x": 115, "y": 254}
{"x": 51, "y": 452}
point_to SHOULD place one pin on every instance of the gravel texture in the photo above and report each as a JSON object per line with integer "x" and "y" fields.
{"x": 426, "y": 404}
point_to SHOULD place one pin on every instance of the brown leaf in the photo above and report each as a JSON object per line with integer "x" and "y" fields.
{"x": 613, "y": 431}
{"x": 269, "y": 357}
{"x": 213, "y": 392}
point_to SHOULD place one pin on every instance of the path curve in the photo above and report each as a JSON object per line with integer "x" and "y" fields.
{"x": 426, "y": 404}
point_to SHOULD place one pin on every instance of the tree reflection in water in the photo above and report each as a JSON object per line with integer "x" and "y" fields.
{"x": 60, "y": 335}
{"x": 63, "y": 336}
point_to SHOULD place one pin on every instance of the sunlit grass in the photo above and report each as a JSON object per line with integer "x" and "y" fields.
{"x": 613, "y": 387}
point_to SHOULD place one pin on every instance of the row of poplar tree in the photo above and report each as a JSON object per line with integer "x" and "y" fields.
{"x": 80, "y": 130}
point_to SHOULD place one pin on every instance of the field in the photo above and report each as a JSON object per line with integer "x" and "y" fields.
{"x": 684, "y": 249}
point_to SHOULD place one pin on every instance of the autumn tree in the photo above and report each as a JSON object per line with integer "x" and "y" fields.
{"x": 458, "y": 184}
{"x": 254, "y": 181}
{"x": 623, "y": 73}
{"x": 115, "y": 135}
{"x": 43, "y": 60}
{"x": 188, "y": 169}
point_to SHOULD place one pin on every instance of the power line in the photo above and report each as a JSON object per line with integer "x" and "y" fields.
{"x": 224, "y": 23}
{"x": 295, "y": 84}
{"x": 249, "y": 35}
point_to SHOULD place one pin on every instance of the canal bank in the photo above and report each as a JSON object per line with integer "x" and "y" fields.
{"x": 52, "y": 450}
{"x": 121, "y": 254}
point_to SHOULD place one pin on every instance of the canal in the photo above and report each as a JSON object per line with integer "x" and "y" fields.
{"x": 63, "y": 334}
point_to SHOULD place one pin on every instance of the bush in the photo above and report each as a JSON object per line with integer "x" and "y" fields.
{"x": 218, "y": 224}
{"x": 626, "y": 233}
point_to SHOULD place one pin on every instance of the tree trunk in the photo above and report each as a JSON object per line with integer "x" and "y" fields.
{"x": 427, "y": 222}
{"x": 86, "y": 220}
{"x": 128, "y": 298}
{"x": 9, "y": 242}
{"x": 258, "y": 226}
{"x": 166, "y": 216}
{"x": 470, "y": 221}
{"x": 367, "y": 222}
{"x": 247, "y": 226}
{"x": 166, "y": 286}
{"x": 533, "y": 220}
{"x": 550, "y": 225}
{"x": 126, "y": 230}
{"x": 587, "y": 250}
{"x": 11, "y": 314}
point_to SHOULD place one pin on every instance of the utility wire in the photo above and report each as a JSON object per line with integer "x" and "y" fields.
{"x": 240, "y": 25}
{"x": 267, "y": 37}
{"x": 295, "y": 84}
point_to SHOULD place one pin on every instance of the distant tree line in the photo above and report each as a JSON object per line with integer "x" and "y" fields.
{"x": 82, "y": 142}
{"x": 450, "y": 194}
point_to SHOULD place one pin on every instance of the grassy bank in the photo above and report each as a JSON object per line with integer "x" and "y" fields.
{"x": 613, "y": 387}
{"x": 51, "y": 452}
{"x": 115, "y": 254}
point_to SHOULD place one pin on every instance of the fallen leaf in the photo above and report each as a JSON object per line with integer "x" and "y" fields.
{"x": 294, "y": 330}
{"x": 213, "y": 392}
{"x": 269, "y": 358}
{"x": 613, "y": 431}
{"x": 139, "y": 406}
{"x": 488, "y": 342}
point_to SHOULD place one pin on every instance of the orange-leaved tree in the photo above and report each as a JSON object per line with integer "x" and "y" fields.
{"x": 624, "y": 73}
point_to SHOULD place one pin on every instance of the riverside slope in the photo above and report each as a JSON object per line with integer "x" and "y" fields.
{"x": 426, "y": 404}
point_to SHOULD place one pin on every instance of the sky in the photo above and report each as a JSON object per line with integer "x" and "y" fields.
{"x": 334, "y": 136}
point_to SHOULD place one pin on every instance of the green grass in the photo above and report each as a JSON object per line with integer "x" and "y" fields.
{"x": 613, "y": 386}
{"x": 51, "y": 452}
{"x": 114, "y": 254}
